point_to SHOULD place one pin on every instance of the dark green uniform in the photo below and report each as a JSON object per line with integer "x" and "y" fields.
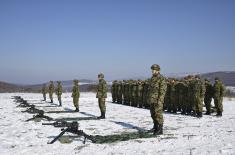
{"x": 140, "y": 94}
{"x": 208, "y": 96}
{"x": 44, "y": 92}
{"x": 102, "y": 95}
{"x": 114, "y": 91}
{"x": 145, "y": 94}
{"x": 134, "y": 94}
{"x": 157, "y": 90}
{"x": 59, "y": 92}
{"x": 173, "y": 97}
{"x": 218, "y": 96}
{"x": 76, "y": 95}
{"x": 51, "y": 90}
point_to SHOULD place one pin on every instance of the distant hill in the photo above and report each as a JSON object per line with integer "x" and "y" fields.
{"x": 228, "y": 78}
{"x": 7, "y": 87}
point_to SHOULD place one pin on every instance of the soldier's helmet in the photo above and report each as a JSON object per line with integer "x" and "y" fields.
{"x": 59, "y": 82}
{"x": 75, "y": 81}
{"x": 155, "y": 67}
{"x": 101, "y": 75}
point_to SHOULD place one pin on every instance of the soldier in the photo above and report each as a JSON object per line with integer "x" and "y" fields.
{"x": 208, "y": 96}
{"x": 134, "y": 94}
{"x": 167, "y": 97}
{"x": 173, "y": 97}
{"x": 190, "y": 101}
{"x": 145, "y": 94}
{"x": 76, "y": 95}
{"x": 157, "y": 90}
{"x": 124, "y": 92}
{"x": 113, "y": 91}
{"x": 59, "y": 92}
{"x": 198, "y": 96}
{"x": 44, "y": 92}
{"x": 128, "y": 92}
{"x": 51, "y": 91}
{"x": 119, "y": 92}
{"x": 140, "y": 93}
{"x": 218, "y": 96}
{"x": 102, "y": 95}
{"x": 184, "y": 96}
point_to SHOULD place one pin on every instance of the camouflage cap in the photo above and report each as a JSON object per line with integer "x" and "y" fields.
{"x": 75, "y": 81}
{"x": 155, "y": 67}
{"x": 101, "y": 75}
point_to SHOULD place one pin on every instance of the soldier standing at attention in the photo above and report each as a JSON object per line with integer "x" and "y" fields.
{"x": 59, "y": 92}
{"x": 76, "y": 95}
{"x": 44, "y": 92}
{"x": 218, "y": 96}
{"x": 101, "y": 95}
{"x": 157, "y": 90}
{"x": 208, "y": 96}
{"x": 51, "y": 91}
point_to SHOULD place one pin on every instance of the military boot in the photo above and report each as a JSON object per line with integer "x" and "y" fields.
{"x": 219, "y": 114}
{"x": 158, "y": 130}
{"x": 102, "y": 116}
{"x": 77, "y": 109}
{"x": 51, "y": 100}
{"x": 199, "y": 114}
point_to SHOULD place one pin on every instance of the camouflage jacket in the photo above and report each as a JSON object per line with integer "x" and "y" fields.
{"x": 157, "y": 89}
{"x": 59, "y": 89}
{"x": 102, "y": 89}
{"x": 218, "y": 89}
{"x": 76, "y": 91}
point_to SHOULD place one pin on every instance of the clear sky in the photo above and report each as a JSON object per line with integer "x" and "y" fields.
{"x": 42, "y": 40}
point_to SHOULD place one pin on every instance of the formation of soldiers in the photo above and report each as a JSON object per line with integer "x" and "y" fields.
{"x": 157, "y": 94}
{"x": 185, "y": 95}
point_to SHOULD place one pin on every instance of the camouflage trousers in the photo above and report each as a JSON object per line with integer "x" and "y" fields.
{"x": 59, "y": 99}
{"x": 44, "y": 97}
{"x": 218, "y": 104}
{"x": 102, "y": 105}
{"x": 156, "y": 110}
{"x": 51, "y": 96}
{"x": 76, "y": 102}
{"x": 207, "y": 102}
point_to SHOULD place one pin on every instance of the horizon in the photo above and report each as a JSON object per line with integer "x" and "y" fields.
{"x": 55, "y": 40}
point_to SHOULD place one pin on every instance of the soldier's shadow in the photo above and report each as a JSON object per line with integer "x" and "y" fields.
{"x": 130, "y": 126}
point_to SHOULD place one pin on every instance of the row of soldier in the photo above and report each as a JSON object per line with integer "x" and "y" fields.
{"x": 101, "y": 93}
{"x": 186, "y": 95}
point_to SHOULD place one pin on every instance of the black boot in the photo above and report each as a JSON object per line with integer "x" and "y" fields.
{"x": 219, "y": 114}
{"x": 102, "y": 116}
{"x": 51, "y": 101}
{"x": 199, "y": 114}
{"x": 208, "y": 113}
{"x": 154, "y": 127}
{"x": 77, "y": 110}
{"x": 158, "y": 130}
{"x": 60, "y": 104}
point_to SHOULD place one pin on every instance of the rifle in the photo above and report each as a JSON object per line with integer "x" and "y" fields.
{"x": 24, "y": 104}
{"x": 40, "y": 115}
{"x": 32, "y": 110}
{"x": 73, "y": 128}
{"x": 58, "y": 124}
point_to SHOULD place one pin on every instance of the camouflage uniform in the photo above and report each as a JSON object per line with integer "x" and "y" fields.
{"x": 44, "y": 92}
{"x": 145, "y": 94}
{"x": 134, "y": 94}
{"x": 119, "y": 86}
{"x": 198, "y": 96}
{"x": 184, "y": 97}
{"x": 128, "y": 97}
{"x": 208, "y": 96}
{"x": 157, "y": 90}
{"x": 114, "y": 91}
{"x": 167, "y": 97}
{"x": 51, "y": 90}
{"x": 76, "y": 95}
{"x": 218, "y": 96}
{"x": 173, "y": 97}
{"x": 140, "y": 93}
{"x": 59, "y": 92}
{"x": 102, "y": 95}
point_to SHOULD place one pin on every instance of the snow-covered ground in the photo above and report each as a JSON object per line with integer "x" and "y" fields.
{"x": 182, "y": 134}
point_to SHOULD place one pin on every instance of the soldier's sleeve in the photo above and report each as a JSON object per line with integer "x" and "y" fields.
{"x": 105, "y": 89}
{"x": 162, "y": 88}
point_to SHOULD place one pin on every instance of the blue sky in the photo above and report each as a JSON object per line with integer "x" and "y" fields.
{"x": 42, "y": 40}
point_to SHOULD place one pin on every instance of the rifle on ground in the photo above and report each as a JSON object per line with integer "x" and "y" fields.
{"x": 58, "y": 124}
{"x": 71, "y": 128}
{"x": 40, "y": 115}
{"x": 24, "y": 104}
{"x": 32, "y": 110}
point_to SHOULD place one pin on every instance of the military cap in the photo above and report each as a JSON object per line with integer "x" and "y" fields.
{"x": 101, "y": 75}
{"x": 75, "y": 81}
{"x": 155, "y": 67}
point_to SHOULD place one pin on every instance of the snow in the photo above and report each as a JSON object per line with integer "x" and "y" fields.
{"x": 182, "y": 134}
